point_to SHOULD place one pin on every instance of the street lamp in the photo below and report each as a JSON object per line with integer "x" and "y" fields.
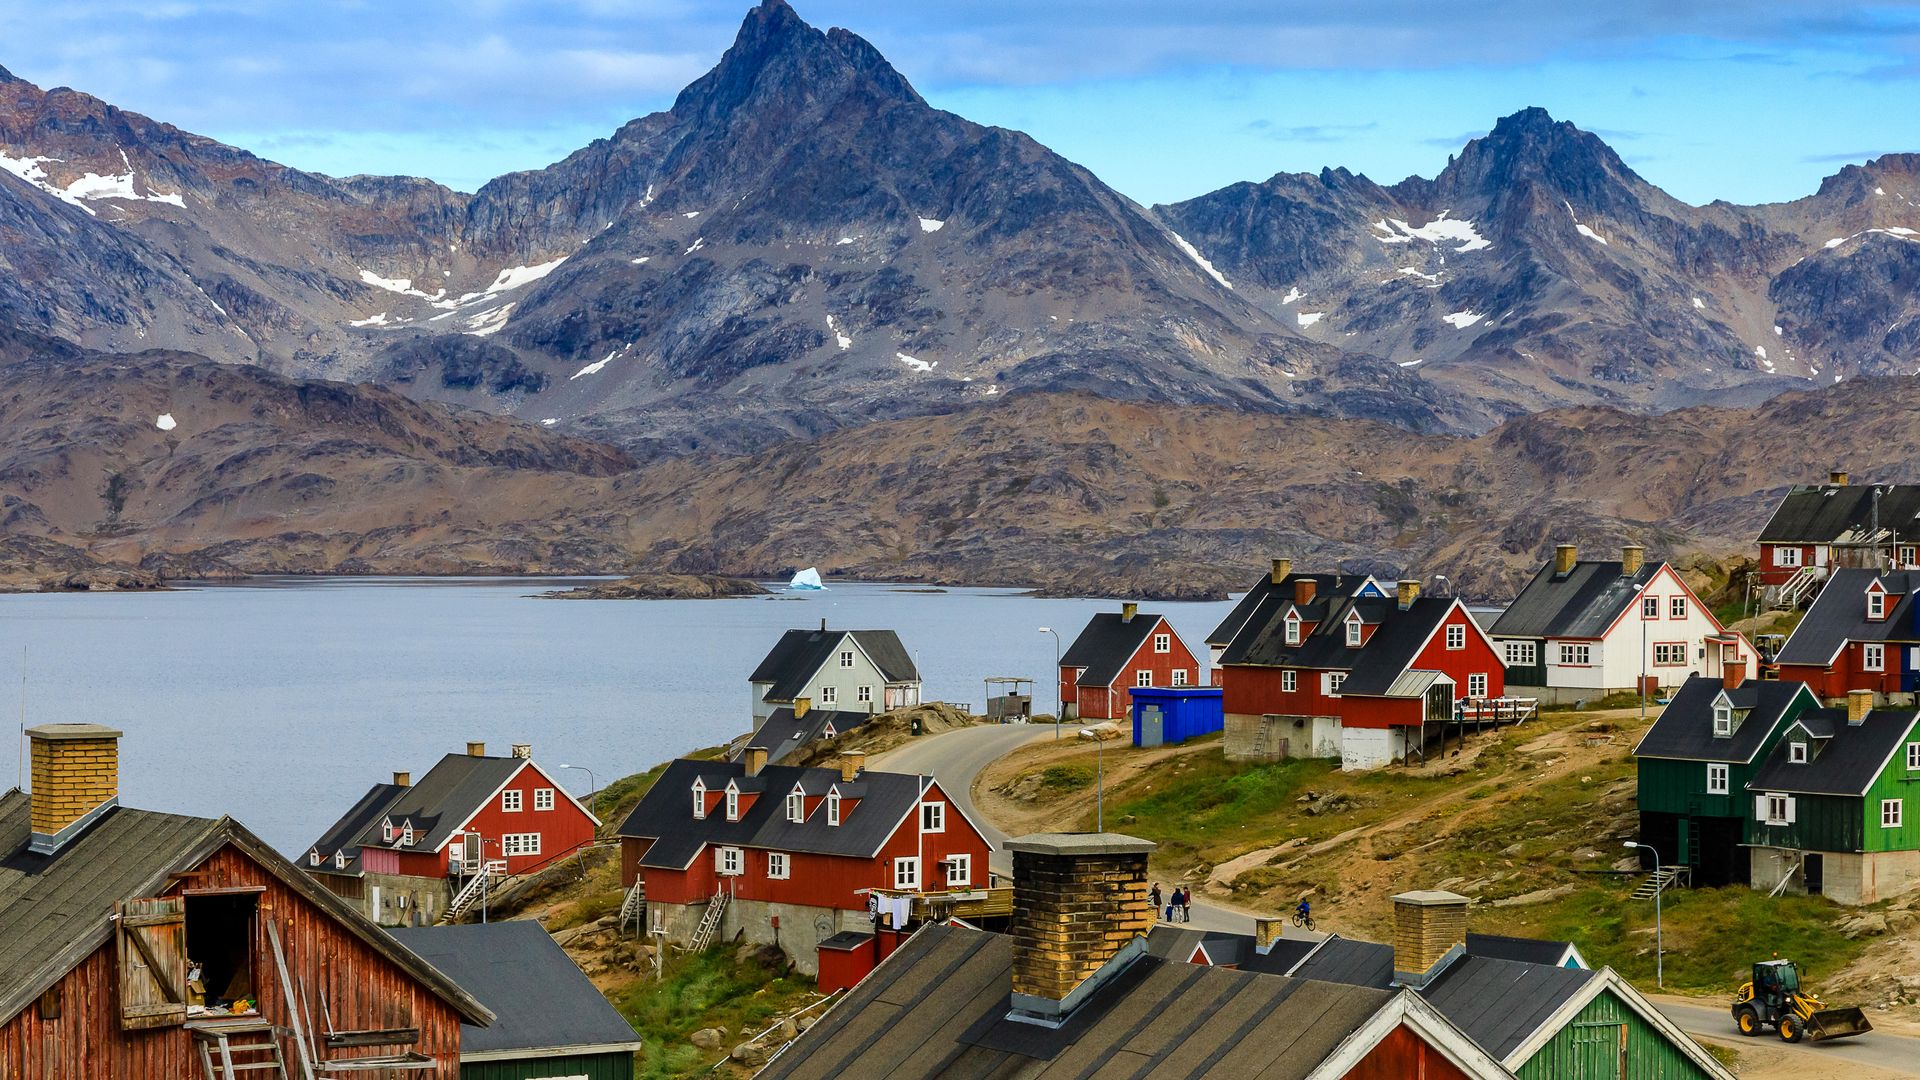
{"x": 593, "y": 789}
{"x": 1643, "y": 657}
{"x": 1059, "y": 705}
{"x": 1659, "y": 951}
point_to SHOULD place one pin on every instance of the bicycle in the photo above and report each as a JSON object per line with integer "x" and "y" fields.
{"x": 1303, "y": 920}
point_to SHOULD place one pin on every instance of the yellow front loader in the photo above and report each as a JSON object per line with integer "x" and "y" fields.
{"x": 1774, "y": 998}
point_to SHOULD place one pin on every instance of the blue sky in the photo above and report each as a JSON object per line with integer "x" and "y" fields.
{"x": 1746, "y": 101}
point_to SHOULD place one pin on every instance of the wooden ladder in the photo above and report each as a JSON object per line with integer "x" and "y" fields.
{"x": 709, "y": 922}
{"x": 260, "y": 1052}
{"x": 633, "y": 908}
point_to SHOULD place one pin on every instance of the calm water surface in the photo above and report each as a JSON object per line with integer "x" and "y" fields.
{"x": 280, "y": 701}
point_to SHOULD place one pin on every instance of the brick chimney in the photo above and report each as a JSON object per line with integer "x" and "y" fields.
{"x": 1564, "y": 556}
{"x": 1407, "y": 592}
{"x": 76, "y": 779}
{"x": 852, "y": 763}
{"x": 1427, "y": 925}
{"x": 476, "y": 749}
{"x": 1303, "y": 590}
{"x": 402, "y": 779}
{"x": 1733, "y": 673}
{"x": 1632, "y": 558}
{"x": 1128, "y": 611}
{"x": 1838, "y": 478}
{"x": 1266, "y": 932}
{"x": 1859, "y": 704}
{"x": 756, "y": 760}
{"x": 802, "y": 706}
{"x": 1080, "y": 916}
{"x": 1281, "y": 568}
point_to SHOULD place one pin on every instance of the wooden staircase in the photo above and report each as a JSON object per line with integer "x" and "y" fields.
{"x": 633, "y": 909}
{"x": 489, "y": 876}
{"x": 1655, "y": 883}
{"x": 221, "y": 1058}
{"x": 709, "y": 922}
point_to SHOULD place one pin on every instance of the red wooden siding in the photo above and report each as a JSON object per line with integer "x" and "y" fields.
{"x": 1478, "y": 658}
{"x": 1404, "y": 1055}
{"x": 363, "y": 990}
{"x": 1380, "y": 712}
{"x": 1771, "y": 572}
{"x": 1114, "y": 702}
{"x": 561, "y": 829}
{"x": 1849, "y": 673}
{"x": 1256, "y": 690}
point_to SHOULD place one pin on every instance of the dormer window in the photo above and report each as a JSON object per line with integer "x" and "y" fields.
{"x": 406, "y": 835}
{"x": 386, "y": 831}
{"x": 1293, "y": 628}
{"x": 339, "y": 860}
{"x": 1797, "y": 752}
{"x": 733, "y": 803}
{"x": 699, "y": 800}
{"x": 313, "y": 857}
{"x": 1722, "y": 718}
{"x": 833, "y": 808}
{"x": 796, "y": 806}
{"x": 1355, "y": 631}
{"x": 1876, "y": 603}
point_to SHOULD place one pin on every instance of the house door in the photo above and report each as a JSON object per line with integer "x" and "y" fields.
{"x": 1815, "y": 871}
{"x": 471, "y": 852}
{"x": 1599, "y": 1051}
{"x": 1152, "y": 732}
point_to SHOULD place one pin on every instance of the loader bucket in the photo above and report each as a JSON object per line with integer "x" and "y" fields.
{"x": 1836, "y": 1024}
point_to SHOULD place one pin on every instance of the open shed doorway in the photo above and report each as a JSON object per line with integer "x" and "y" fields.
{"x": 220, "y": 952}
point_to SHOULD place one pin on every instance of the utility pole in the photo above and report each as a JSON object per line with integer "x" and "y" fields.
{"x": 1659, "y": 942}
{"x": 1059, "y": 702}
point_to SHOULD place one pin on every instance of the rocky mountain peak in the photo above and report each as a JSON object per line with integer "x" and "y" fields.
{"x": 8, "y": 77}
{"x": 1531, "y": 154}
{"x": 781, "y": 66}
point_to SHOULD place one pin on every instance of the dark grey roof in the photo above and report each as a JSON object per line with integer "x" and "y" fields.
{"x": 1499, "y": 1003}
{"x": 1345, "y": 960}
{"x": 1280, "y": 957}
{"x": 782, "y": 736}
{"x": 665, "y": 813}
{"x": 1106, "y": 644}
{"x": 1393, "y": 647}
{"x": 1267, "y": 602}
{"x": 938, "y": 1007}
{"x": 1580, "y": 605}
{"x": 55, "y": 910}
{"x": 800, "y": 653}
{"x": 1828, "y": 514}
{"x": 540, "y": 998}
{"x": 344, "y": 835}
{"x": 847, "y": 941}
{"x": 1171, "y": 941}
{"x": 1845, "y": 758}
{"x": 1684, "y": 729}
{"x": 443, "y": 800}
{"x": 1371, "y": 668}
{"x": 1520, "y": 949}
{"x": 1839, "y": 615}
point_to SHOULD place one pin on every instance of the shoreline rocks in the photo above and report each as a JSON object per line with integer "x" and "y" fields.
{"x": 662, "y": 587}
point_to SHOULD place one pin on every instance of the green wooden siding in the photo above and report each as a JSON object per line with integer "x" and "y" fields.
{"x": 1894, "y": 782}
{"x": 1589, "y": 1048}
{"x": 1821, "y": 823}
{"x": 591, "y": 1066}
{"x": 1680, "y": 787}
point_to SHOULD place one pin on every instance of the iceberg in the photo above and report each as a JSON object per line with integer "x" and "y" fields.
{"x": 806, "y": 579}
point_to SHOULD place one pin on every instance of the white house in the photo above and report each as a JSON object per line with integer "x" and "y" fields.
{"x": 836, "y": 670}
{"x": 1583, "y": 628}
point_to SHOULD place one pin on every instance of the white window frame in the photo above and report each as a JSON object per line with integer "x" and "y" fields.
{"x": 1913, "y": 757}
{"x": 1675, "y": 653}
{"x": 779, "y": 866}
{"x": 933, "y": 817}
{"x": 1649, "y": 607}
{"x": 829, "y": 696}
{"x": 543, "y": 798}
{"x": 1776, "y": 809}
{"x": 906, "y": 873}
{"x": 733, "y": 803}
{"x": 1892, "y": 813}
{"x": 1576, "y": 654}
{"x": 313, "y": 857}
{"x": 1876, "y": 604}
{"x": 1873, "y": 656}
{"x": 1797, "y": 752}
{"x": 1676, "y": 607}
{"x": 729, "y": 861}
{"x": 1717, "y": 773}
{"x": 1332, "y": 681}
{"x": 1142, "y": 679}
{"x": 1163, "y": 643}
{"x": 1289, "y": 681}
{"x": 833, "y": 808}
{"x": 1356, "y": 632}
{"x": 959, "y": 871}
{"x": 1456, "y": 637}
{"x": 520, "y": 843}
{"x": 1520, "y": 653}
{"x": 1722, "y": 719}
{"x": 1904, "y": 555}
{"x": 863, "y": 695}
{"x": 796, "y": 806}
{"x": 511, "y": 801}
{"x": 406, "y": 835}
{"x": 1179, "y": 676}
{"x": 699, "y": 799}
{"x": 386, "y": 831}
{"x": 1786, "y": 557}
{"x": 846, "y": 658}
{"x": 340, "y": 860}
{"x": 1477, "y": 684}
{"x": 1293, "y": 628}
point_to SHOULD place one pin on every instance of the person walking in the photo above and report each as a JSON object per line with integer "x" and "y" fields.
{"x": 1153, "y": 897}
{"x": 1186, "y": 904}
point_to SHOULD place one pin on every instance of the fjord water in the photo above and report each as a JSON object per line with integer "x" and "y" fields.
{"x": 280, "y": 701}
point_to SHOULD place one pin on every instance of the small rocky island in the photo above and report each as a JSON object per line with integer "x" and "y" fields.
{"x": 662, "y": 587}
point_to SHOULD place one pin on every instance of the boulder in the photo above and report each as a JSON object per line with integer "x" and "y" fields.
{"x": 749, "y": 1054}
{"x": 708, "y": 1038}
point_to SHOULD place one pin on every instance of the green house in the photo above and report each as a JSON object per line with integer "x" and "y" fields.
{"x": 1827, "y": 809}
{"x": 1694, "y": 764}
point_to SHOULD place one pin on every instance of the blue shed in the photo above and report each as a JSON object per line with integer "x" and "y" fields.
{"x": 1174, "y": 714}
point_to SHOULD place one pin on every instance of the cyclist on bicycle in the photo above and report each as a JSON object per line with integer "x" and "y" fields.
{"x": 1304, "y": 911}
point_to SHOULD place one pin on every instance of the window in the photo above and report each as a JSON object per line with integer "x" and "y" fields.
{"x": 1579, "y": 655}
{"x": 699, "y": 800}
{"x": 959, "y": 871}
{"x": 733, "y": 803}
{"x": 846, "y": 658}
{"x": 1913, "y": 757}
{"x": 339, "y": 860}
{"x": 1873, "y": 657}
{"x": 727, "y": 861}
{"x": 1905, "y": 555}
{"x": 1143, "y": 677}
{"x": 1179, "y": 676}
{"x": 1477, "y": 684}
{"x": 1890, "y": 813}
{"x": 510, "y": 801}
{"x": 1355, "y": 632}
{"x": 833, "y": 808}
{"x": 1786, "y": 556}
{"x": 864, "y": 694}
{"x": 1456, "y": 637}
{"x": 313, "y": 857}
{"x": 543, "y": 798}
{"x": 1676, "y": 607}
{"x": 779, "y": 868}
{"x": 933, "y": 817}
{"x": 1722, "y": 718}
{"x": 828, "y": 695}
{"x": 1669, "y": 653}
{"x": 906, "y": 873}
{"x": 1333, "y": 681}
{"x": 1876, "y": 605}
{"x": 1649, "y": 607}
{"x": 796, "y": 806}
{"x": 1289, "y": 681}
{"x": 386, "y": 831}
{"x": 520, "y": 843}
{"x": 1776, "y": 809}
{"x": 1163, "y": 643}
{"x": 1293, "y": 628}
{"x": 1520, "y": 654}
{"x": 1797, "y": 753}
{"x": 406, "y": 835}
{"x": 1716, "y": 779}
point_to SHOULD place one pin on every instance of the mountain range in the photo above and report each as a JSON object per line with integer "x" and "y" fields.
{"x": 801, "y": 257}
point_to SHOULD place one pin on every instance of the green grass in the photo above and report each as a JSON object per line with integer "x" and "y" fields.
{"x": 1059, "y": 779}
{"x": 702, "y": 990}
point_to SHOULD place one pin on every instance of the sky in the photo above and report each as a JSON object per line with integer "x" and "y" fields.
{"x": 1743, "y": 100}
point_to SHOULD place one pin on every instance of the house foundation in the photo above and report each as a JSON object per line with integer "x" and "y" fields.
{"x": 1845, "y": 877}
{"x": 795, "y": 929}
{"x": 1271, "y": 737}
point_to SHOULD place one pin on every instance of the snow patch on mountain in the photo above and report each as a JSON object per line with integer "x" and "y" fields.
{"x": 1308, "y": 318}
{"x": 1699, "y": 304}
{"x": 165, "y": 422}
{"x": 931, "y": 225}
{"x": 371, "y": 320}
{"x": 1194, "y": 254}
{"x": 489, "y": 323}
{"x": 916, "y": 363}
{"x": 595, "y": 367}
{"x": 1460, "y": 320}
{"x": 839, "y": 336}
{"x": 1292, "y": 295}
{"x": 1441, "y": 230}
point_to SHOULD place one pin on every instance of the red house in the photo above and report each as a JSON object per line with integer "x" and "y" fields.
{"x": 793, "y": 856}
{"x": 1349, "y": 673}
{"x": 1862, "y": 633}
{"x": 1117, "y": 652}
{"x": 1820, "y": 527}
{"x": 413, "y": 854}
